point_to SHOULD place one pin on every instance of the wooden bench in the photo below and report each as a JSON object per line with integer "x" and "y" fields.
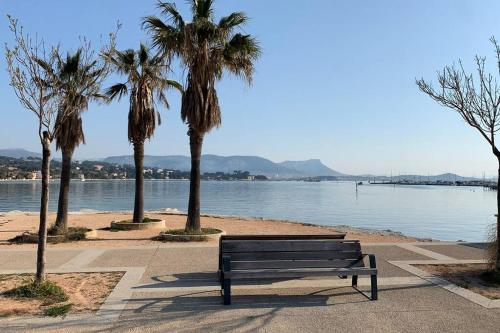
{"x": 269, "y": 257}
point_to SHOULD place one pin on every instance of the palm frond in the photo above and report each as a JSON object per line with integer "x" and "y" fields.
{"x": 143, "y": 54}
{"x": 170, "y": 10}
{"x": 116, "y": 90}
{"x": 202, "y": 9}
{"x": 233, "y": 20}
{"x": 173, "y": 84}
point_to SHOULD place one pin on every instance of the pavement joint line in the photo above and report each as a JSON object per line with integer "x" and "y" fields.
{"x": 425, "y": 252}
{"x": 451, "y": 287}
{"x": 83, "y": 259}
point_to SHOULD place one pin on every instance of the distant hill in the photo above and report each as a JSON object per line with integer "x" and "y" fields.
{"x": 254, "y": 164}
{"x": 311, "y": 167}
{"x": 447, "y": 177}
{"x": 18, "y": 153}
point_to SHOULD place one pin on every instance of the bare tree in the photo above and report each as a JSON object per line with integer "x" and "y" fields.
{"x": 32, "y": 87}
{"x": 476, "y": 98}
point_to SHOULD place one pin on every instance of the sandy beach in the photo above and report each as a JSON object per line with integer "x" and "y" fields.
{"x": 13, "y": 224}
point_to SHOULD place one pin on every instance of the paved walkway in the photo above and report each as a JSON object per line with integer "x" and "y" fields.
{"x": 173, "y": 287}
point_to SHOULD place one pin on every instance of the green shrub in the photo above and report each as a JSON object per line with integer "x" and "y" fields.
{"x": 73, "y": 234}
{"x": 491, "y": 277}
{"x": 47, "y": 291}
{"x": 58, "y": 310}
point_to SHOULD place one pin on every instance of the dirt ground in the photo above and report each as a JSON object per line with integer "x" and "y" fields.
{"x": 86, "y": 292}
{"x": 465, "y": 276}
{"x": 15, "y": 224}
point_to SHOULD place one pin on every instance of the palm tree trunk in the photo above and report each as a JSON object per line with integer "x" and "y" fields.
{"x": 193, "y": 218}
{"x": 139, "y": 182}
{"x": 62, "y": 206}
{"x": 44, "y": 206}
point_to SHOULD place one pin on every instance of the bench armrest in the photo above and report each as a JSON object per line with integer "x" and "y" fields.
{"x": 226, "y": 263}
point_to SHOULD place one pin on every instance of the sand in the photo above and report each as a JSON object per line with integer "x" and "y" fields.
{"x": 13, "y": 224}
{"x": 86, "y": 292}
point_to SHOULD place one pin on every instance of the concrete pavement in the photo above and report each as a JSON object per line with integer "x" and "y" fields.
{"x": 173, "y": 287}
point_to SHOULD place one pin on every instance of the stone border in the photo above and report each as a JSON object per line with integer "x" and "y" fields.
{"x": 451, "y": 287}
{"x": 166, "y": 237}
{"x": 125, "y": 226}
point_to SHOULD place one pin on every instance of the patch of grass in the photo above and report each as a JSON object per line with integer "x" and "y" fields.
{"x": 58, "y": 310}
{"x": 147, "y": 219}
{"x": 77, "y": 233}
{"x": 183, "y": 232}
{"x": 21, "y": 239}
{"x": 109, "y": 229}
{"x": 73, "y": 234}
{"x": 47, "y": 291}
{"x": 181, "y": 235}
{"x": 491, "y": 277}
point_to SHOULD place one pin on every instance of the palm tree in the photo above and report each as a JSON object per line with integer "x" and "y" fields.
{"x": 207, "y": 49}
{"x": 147, "y": 83}
{"x": 78, "y": 81}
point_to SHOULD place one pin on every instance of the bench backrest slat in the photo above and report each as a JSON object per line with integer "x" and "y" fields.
{"x": 296, "y": 264}
{"x": 306, "y": 255}
{"x": 230, "y": 246}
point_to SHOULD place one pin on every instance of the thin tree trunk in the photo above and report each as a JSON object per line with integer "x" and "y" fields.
{"x": 61, "y": 225}
{"x": 44, "y": 205}
{"x": 498, "y": 220}
{"x": 139, "y": 182}
{"x": 193, "y": 218}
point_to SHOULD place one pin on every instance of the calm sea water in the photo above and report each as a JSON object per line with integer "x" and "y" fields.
{"x": 442, "y": 212}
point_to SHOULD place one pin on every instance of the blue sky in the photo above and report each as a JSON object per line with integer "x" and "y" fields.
{"x": 335, "y": 82}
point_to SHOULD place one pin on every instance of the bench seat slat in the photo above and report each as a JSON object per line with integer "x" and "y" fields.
{"x": 306, "y": 255}
{"x": 229, "y": 246}
{"x": 296, "y": 273}
{"x": 264, "y": 264}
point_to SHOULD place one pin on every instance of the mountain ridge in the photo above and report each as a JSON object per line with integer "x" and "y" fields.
{"x": 252, "y": 164}
{"x": 216, "y": 163}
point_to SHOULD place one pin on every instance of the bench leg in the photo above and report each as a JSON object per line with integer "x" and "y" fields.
{"x": 354, "y": 280}
{"x": 227, "y": 291}
{"x": 374, "y": 287}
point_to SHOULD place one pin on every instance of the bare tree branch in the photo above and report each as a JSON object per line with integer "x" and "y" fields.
{"x": 28, "y": 78}
{"x": 476, "y": 99}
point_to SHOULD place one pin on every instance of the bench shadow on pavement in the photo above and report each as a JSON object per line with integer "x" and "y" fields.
{"x": 210, "y": 299}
